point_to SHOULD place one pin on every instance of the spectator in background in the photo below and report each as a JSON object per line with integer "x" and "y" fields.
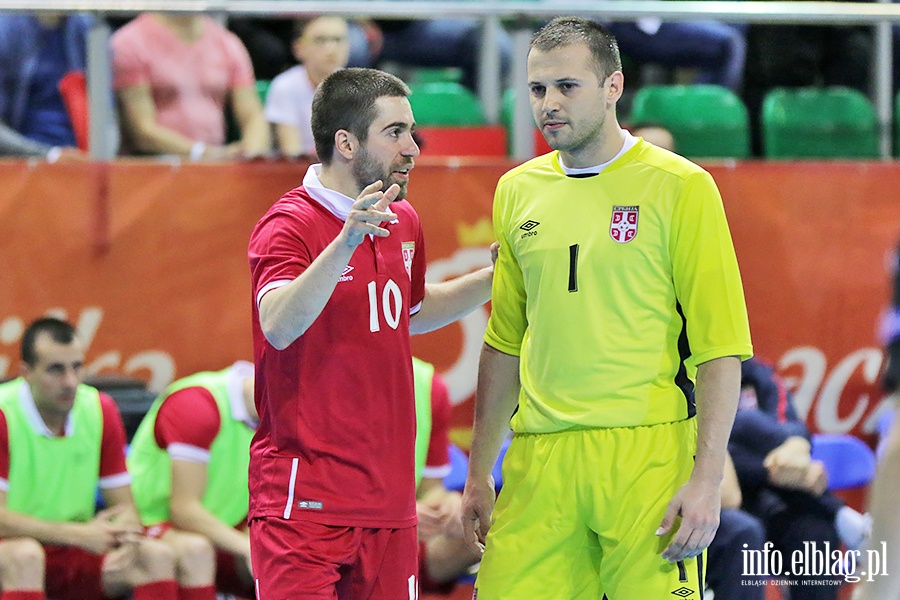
{"x": 883, "y": 499}
{"x": 189, "y": 461}
{"x": 36, "y": 52}
{"x": 426, "y": 43}
{"x": 717, "y": 50}
{"x": 782, "y": 485}
{"x": 322, "y": 46}
{"x": 175, "y": 76}
{"x": 655, "y": 134}
{"x": 443, "y": 553}
{"x": 59, "y": 441}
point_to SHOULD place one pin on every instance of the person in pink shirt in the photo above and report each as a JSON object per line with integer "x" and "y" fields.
{"x": 174, "y": 75}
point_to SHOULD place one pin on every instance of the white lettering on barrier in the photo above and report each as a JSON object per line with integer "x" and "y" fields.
{"x": 160, "y": 365}
{"x": 817, "y": 383}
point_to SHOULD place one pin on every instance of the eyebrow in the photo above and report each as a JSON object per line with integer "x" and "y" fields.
{"x": 402, "y": 125}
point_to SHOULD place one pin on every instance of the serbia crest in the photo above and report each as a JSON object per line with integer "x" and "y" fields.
{"x": 623, "y": 226}
{"x": 409, "y": 251}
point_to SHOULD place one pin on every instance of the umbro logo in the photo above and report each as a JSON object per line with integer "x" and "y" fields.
{"x": 682, "y": 592}
{"x": 528, "y": 226}
{"x": 345, "y": 276}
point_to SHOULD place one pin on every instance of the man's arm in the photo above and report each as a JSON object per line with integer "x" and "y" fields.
{"x": 98, "y": 536}
{"x": 730, "y": 488}
{"x": 13, "y": 143}
{"x": 248, "y": 112}
{"x": 496, "y": 399}
{"x": 449, "y": 301}
{"x": 698, "y": 501}
{"x": 144, "y": 131}
{"x": 189, "y": 480}
{"x": 288, "y": 139}
{"x": 285, "y": 313}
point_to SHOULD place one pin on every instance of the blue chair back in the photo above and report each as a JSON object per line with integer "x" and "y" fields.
{"x": 497, "y": 471}
{"x": 455, "y": 481}
{"x": 849, "y": 461}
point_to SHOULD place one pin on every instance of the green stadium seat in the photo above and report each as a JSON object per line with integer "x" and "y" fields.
{"x": 445, "y": 103}
{"x": 423, "y": 75}
{"x": 707, "y": 121}
{"x": 833, "y": 122}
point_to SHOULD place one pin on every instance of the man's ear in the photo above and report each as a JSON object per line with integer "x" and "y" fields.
{"x": 616, "y": 87}
{"x": 346, "y": 144}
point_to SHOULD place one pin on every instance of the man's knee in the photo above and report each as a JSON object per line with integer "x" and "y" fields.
{"x": 22, "y": 564}
{"x": 155, "y": 560}
{"x": 195, "y": 558}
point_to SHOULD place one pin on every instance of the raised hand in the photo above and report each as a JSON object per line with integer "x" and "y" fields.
{"x": 368, "y": 213}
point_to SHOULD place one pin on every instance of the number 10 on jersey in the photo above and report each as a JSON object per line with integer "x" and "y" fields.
{"x": 391, "y": 305}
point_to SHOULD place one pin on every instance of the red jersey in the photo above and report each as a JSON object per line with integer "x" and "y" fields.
{"x": 336, "y": 438}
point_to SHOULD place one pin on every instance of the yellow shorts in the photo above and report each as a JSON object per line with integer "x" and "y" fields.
{"x": 578, "y": 512}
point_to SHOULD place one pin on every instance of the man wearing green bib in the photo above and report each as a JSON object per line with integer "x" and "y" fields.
{"x": 189, "y": 460}
{"x": 60, "y": 441}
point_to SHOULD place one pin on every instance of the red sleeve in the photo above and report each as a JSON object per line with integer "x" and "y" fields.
{"x": 189, "y": 416}
{"x": 438, "y": 452}
{"x": 4, "y": 448}
{"x": 112, "y": 445}
{"x": 277, "y": 250}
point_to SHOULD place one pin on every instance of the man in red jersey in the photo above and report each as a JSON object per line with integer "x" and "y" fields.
{"x": 338, "y": 278}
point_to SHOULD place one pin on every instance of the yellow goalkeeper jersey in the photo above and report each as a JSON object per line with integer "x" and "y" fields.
{"x": 611, "y": 288}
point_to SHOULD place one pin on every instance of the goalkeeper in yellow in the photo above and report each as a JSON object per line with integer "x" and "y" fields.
{"x": 614, "y": 345}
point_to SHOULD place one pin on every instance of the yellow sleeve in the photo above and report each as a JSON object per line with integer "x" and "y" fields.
{"x": 706, "y": 275}
{"x": 508, "y": 322}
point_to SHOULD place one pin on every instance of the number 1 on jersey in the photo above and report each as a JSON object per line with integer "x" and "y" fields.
{"x": 573, "y": 268}
{"x": 391, "y": 304}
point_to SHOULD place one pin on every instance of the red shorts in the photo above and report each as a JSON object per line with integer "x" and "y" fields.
{"x": 299, "y": 559}
{"x": 73, "y": 573}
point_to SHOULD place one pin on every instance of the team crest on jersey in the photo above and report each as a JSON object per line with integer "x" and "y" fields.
{"x": 409, "y": 251}
{"x": 623, "y": 226}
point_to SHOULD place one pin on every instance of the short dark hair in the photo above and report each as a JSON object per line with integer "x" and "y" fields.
{"x": 298, "y": 28}
{"x": 346, "y": 100}
{"x": 568, "y": 31}
{"x": 62, "y": 332}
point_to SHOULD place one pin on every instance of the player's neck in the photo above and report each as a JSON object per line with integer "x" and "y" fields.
{"x": 55, "y": 421}
{"x": 338, "y": 177}
{"x": 601, "y": 150}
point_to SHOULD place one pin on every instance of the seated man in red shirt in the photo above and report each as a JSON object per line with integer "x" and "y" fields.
{"x": 189, "y": 460}
{"x": 59, "y": 441}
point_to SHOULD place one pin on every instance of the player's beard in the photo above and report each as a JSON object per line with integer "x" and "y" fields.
{"x": 367, "y": 170}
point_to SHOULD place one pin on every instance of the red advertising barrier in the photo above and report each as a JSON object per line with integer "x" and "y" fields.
{"x": 149, "y": 260}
